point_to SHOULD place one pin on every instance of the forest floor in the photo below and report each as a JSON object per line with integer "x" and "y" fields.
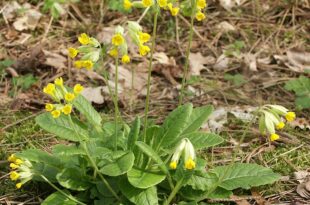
{"x": 242, "y": 57}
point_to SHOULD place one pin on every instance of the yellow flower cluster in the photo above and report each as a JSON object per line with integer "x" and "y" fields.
{"x": 186, "y": 149}
{"x": 20, "y": 170}
{"x": 273, "y": 118}
{"x": 119, "y": 46}
{"x": 200, "y": 5}
{"x": 164, "y": 4}
{"x": 59, "y": 93}
{"x": 90, "y": 50}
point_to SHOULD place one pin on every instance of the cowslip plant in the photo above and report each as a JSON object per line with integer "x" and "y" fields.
{"x": 161, "y": 168}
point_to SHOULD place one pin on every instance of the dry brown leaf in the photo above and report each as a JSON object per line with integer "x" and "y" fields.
{"x": 229, "y": 4}
{"x": 225, "y": 27}
{"x": 96, "y": 95}
{"x": 221, "y": 63}
{"x": 250, "y": 61}
{"x": 30, "y": 20}
{"x": 9, "y": 10}
{"x": 55, "y": 60}
{"x": 198, "y": 62}
{"x": 239, "y": 201}
{"x": 301, "y": 123}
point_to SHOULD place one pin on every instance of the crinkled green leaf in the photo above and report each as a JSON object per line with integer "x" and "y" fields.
{"x": 203, "y": 140}
{"x": 134, "y": 134}
{"x": 144, "y": 179}
{"x": 73, "y": 178}
{"x": 67, "y": 150}
{"x": 57, "y": 198}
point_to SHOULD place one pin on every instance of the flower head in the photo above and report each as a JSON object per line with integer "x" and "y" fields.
{"x": 173, "y": 165}
{"x": 127, "y": 4}
{"x": 88, "y": 64}
{"x": 69, "y": 97}
{"x": 147, "y": 3}
{"x": 174, "y": 11}
{"x": 113, "y": 52}
{"x": 118, "y": 39}
{"x": 201, "y": 4}
{"x": 18, "y": 161}
{"x": 280, "y": 125}
{"x": 78, "y": 64}
{"x": 14, "y": 175}
{"x": 49, "y": 89}
{"x": 49, "y": 107}
{"x": 190, "y": 164}
{"x": 274, "y": 137}
{"x": 55, "y": 114}
{"x": 72, "y": 52}
{"x": 67, "y": 109}
{"x": 144, "y": 50}
{"x": 18, "y": 185}
{"x": 13, "y": 166}
{"x": 59, "y": 81}
{"x": 162, "y": 3}
{"x": 78, "y": 88}
{"x": 12, "y": 158}
{"x": 84, "y": 39}
{"x": 144, "y": 37}
{"x": 290, "y": 116}
{"x": 125, "y": 59}
{"x": 200, "y": 16}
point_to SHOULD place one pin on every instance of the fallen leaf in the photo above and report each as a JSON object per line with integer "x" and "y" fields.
{"x": 197, "y": 62}
{"x": 96, "y": 95}
{"x": 250, "y": 61}
{"x": 221, "y": 63}
{"x": 229, "y": 4}
{"x": 30, "y": 20}
{"x": 55, "y": 60}
{"x": 225, "y": 27}
{"x": 239, "y": 200}
{"x": 301, "y": 123}
{"x": 9, "y": 10}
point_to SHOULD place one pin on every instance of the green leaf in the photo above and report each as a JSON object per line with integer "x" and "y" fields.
{"x": 146, "y": 149}
{"x": 197, "y": 195}
{"x": 134, "y": 134}
{"x": 121, "y": 164}
{"x": 67, "y": 150}
{"x": 173, "y": 126}
{"x": 144, "y": 179}
{"x": 301, "y": 87}
{"x": 197, "y": 118}
{"x": 36, "y": 155}
{"x": 244, "y": 176}
{"x": 201, "y": 180}
{"x": 57, "y": 198}
{"x": 86, "y": 109}
{"x": 237, "y": 79}
{"x": 139, "y": 196}
{"x": 61, "y": 127}
{"x": 203, "y": 140}
{"x": 73, "y": 178}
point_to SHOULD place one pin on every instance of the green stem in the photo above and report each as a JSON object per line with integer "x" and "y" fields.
{"x": 147, "y": 101}
{"x": 185, "y": 73}
{"x": 174, "y": 192}
{"x": 60, "y": 191}
{"x": 116, "y": 111}
{"x": 93, "y": 163}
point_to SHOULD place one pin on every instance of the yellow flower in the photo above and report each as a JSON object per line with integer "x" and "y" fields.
{"x": 14, "y": 166}
{"x": 69, "y": 97}
{"x": 127, "y": 4}
{"x": 280, "y": 125}
{"x": 125, "y": 59}
{"x": 162, "y": 3}
{"x": 144, "y": 37}
{"x": 190, "y": 164}
{"x": 173, "y": 165}
{"x": 78, "y": 64}
{"x": 67, "y": 109}
{"x": 18, "y": 161}
{"x": 49, "y": 89}
{"x": 144, "y": 50}
{"x": 49, "y": 107}
{"x": 14, "y": 175}
{"x": 147, "y": 3}
{"x": 290, "y": 116}
{"x": 118, "y": 39}
{"x": 88, "y": 64}
{"x": 200, "y": 16}
{"x": 72, "y": 52}
{"x": 113, "y": 52}
{"x": 12, "y": 158}
{"x": 174, "y": 11}
{"x": 19, "y": 185}
{"x": 59, "y": 81}
{"x": 84, "y": 39}
{"x": 78, "y": 88}
{"x": 274, "y": 137}
{"x": 201, "y": 4}
{"x": 55, "y": 113}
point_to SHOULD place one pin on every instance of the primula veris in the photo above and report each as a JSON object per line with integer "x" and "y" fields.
{"x": 49, "y": 107}
{"x": 144, "y": 37}
{"x": 78, "y": 64}
{"x": 59, "y": 81}
{"x": 12, "y": 158}
{"x": 127, "y": 4}
{"x": 174, "y": 11}
{"x": 67, "y": 109}
{"x": 274, "y": 137}
{"x": 13, "y": 166}
{"x": 147, "y": 3}
{"x": 290, "y": 116}
{"x": 88, "y": 64}
{"x": 173, "y": 165}
{"x": 162, "y": 3}
{"x": 118, "y": 39}
{"x": 49, "y": 89}
{"x": 84, "y": 39}
{"x": 125, "y": 59}
{"x": 201, "y": 4}
{"x": 18, "y": 161}
{"x": 14, "y": 175}
{"x": 18, "y": 185}
{"x": 190, "y": 164}
{"x": 144, "y": 50}
{"x": 200, "y": 16}
{"x": 72, "y": 52}
{"x": 69, "y": 97}
{"x": 113, "y": 52}
{"x": 78, "y": 88}
{"x": 280, "y": 125}
{"x": 55, "y": 113}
